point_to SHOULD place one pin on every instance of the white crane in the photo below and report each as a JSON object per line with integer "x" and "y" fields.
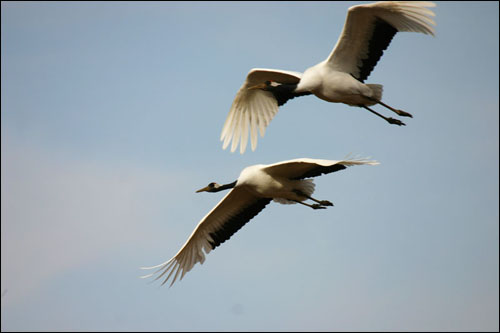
{"x": 284, "y": 182}
{"x": 367, "y": 32}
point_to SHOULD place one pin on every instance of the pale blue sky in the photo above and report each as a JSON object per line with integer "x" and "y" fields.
{"x": 111, "y": 115}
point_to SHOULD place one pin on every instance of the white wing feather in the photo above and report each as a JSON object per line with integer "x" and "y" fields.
{"x": 252, "y": 110}
{"x": 352, "y": 45}
{"x": 198, "y": 244}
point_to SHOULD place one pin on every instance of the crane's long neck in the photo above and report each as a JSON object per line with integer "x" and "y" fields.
{"x": 225, "y": 187}
{"x": 284, "y": 92}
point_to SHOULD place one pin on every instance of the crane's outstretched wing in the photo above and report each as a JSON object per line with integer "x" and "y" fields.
{"x": 254, "y": 109}
{"x": 369, "y": 29}
{"x": 301, "y": 168}
{"x": 237, "y": 208}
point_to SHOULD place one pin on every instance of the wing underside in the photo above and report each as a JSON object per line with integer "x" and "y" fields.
{"x": 231, "y": 213}
{"x": 253, "y": 109}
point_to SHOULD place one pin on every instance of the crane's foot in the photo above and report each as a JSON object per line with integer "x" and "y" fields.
{"x": 317, "y": 206}
{"x": 403, "y": 114}
{"x": 325, "y": 203}
{"x": 395, "y": 122}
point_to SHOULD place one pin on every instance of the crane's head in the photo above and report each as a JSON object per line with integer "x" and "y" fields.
{"x": 214, "y": 187}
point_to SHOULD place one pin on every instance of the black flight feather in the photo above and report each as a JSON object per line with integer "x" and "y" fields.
{"x": 236, "y": 222}
{"x": 320, "y": 170}
{"x": 382, "y": 35}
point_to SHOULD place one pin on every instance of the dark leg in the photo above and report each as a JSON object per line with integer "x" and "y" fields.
{"x": 399, "y": 112}
{"x": 313, "y": 206}
{"x": 321, "y": 202}
{"x": 389, "y": 120}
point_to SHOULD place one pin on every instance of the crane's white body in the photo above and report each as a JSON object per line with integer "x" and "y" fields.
{"x": 339, "y": 78}
{"x": 255, "y": 187}
{"x": 258, "y": 181}
{"x": 337, "y": 87}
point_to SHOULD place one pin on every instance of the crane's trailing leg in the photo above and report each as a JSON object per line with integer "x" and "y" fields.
{"x": 399, "y": 112}
{"x": 320, "y": 202}
{"x": 389, "y": 120}
{"x": 313, "y": 206}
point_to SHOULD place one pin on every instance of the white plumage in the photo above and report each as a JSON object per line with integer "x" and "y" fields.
{"x": 367, "y": 32}
{"x": 284, "y": 182}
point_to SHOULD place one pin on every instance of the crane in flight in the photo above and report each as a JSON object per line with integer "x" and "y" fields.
{"x": 367, "y": 32}
{"x": 286, "y": 182}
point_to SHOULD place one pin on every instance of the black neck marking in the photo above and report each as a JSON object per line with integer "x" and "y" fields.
{"x": 284, "y": 92}
{"x": 225, "y": 187}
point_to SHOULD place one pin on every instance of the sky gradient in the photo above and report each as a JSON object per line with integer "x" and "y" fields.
{"x": 110, "y": 121}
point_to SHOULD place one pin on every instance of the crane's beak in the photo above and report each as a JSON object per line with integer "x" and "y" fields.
{"x": 205, "y": 189}
{"x": 258, "y": 86}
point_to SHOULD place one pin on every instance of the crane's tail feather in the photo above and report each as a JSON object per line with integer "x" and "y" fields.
{"x": 377, "y": 90}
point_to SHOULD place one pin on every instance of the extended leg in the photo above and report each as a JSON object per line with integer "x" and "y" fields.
{"x": 389, "y": 120}
{"x": 313, "y": 206}
{"x": 399, "y": 112}
{"x": 321, "y": 202}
